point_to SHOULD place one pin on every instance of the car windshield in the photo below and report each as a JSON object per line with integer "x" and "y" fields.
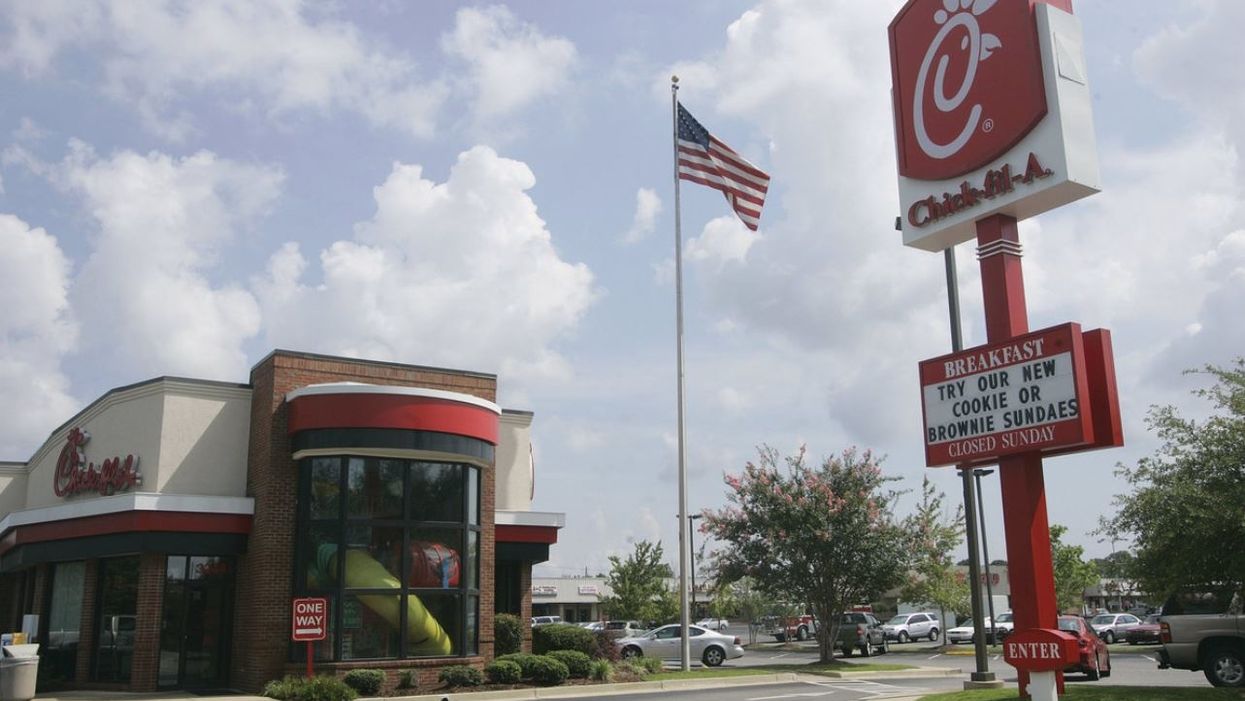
{"x": 1103, "y": 619}
{"x": 1005, "y": 618}
{"x": 1070, "y": 625}
{"x": 897, "y": 621}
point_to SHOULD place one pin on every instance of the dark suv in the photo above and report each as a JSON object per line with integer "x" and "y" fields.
{"x": 859, "y": 630}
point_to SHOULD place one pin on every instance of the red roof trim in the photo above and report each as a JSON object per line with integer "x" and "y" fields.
{"x": 126, "y": 522}
{"x": 527, "y": 534}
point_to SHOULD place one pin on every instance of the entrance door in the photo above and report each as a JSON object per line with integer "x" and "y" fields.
{"x": 194, "y": 635}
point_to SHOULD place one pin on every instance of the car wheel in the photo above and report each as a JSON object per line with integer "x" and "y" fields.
{"x": 866, "y": 650}
{"x": 848, "y": 651}
{"x": 631, "y": 652}
{"x": 801, "y": 634}
{"x": 1094, "y": 672}
{"x": 1108, "y": 637}
{"x": 1223, "y": 666}
{"x": 713, "y": 656}
{"x": 903, "y": 636}
{"x": 886, "y": 647}
{"x": 933, "y": 634}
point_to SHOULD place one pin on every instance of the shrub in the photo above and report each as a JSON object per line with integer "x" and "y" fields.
{"x": 320, "y": 688}
{"x": 461, "y": 675}
{"x": 603, "y": 647}
{"x": 367, "y": 682}
{"x": 577, "y": 662}
{"x": 503, "y": 672}
{"x": 561, "y": 636}
{"x": 507, "y": 633}
{"x": 652, "y": 665}
{"x": 407, "y": 679}
{"x": 601, "y": 671}
{"x": 546, "y": 670}
{"x": 525, "y": 660}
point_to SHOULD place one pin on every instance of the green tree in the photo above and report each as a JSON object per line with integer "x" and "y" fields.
{"x": 822, "y": 535}
{"x": 932, "y": 537}
{"x": 1186, "y": 513}
{"x": 1072, "y": 573}
{"x": 639, "y": 586}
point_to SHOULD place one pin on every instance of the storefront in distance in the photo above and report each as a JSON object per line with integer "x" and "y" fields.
{"x": 157, "y": 538}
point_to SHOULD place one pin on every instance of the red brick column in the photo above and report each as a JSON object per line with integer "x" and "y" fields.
{"x": 86, "y": 626}
{"x": 145, "y": 667}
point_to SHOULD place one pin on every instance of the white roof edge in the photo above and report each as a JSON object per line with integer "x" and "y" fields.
{"x": 137, "y": 501}
{"x": 364, "y": 388}
{"x": 530, "y": 518}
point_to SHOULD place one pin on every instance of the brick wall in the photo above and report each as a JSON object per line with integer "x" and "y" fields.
{"x": 145, "y": 668}
{"x": 262, "y": 618}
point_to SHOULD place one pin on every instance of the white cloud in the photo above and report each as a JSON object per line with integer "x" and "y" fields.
{"x": 154, "y": 55}
{"x": 511, "y": 63}
{"x": 462, "y": 273}
{"x": 647, "y": 207}
{"x": 723, "y": 240}
{"x": 36, "y": 332}
{"x": 145, "y": 294}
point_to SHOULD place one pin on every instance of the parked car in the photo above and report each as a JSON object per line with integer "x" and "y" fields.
{"x": 1144, "y": 633}
{"x": 912, "y": 626}
{"x": 1095, "y": 659}
{"x": 593, "y": 626}
{"x": 623, "y": 629}
{"x": 861, "y": 631}
{"x": 545, "y": 620}
{"x": 1112, "y": 626}
{"x": 665, "y": 643}
{"x": 1004, "y": 624}
{"x": 718, "y": 624}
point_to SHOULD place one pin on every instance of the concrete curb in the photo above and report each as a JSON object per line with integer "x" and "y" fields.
{"x": 555, "y": 692}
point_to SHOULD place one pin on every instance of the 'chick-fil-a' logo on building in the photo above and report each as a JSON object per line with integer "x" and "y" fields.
{"x": 967, "y": 83}
{"x": 75, "y": 475}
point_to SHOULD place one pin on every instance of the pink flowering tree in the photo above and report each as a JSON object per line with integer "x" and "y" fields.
{"x": 821, "y": 534}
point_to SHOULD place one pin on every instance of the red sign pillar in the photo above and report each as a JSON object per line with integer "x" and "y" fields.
{"x": 1026, "y": 528}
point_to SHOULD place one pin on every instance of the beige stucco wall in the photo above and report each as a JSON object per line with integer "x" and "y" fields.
{"x": 514, "y": 461}
{"x": 189, "y": 437}
{"x": 13, "y": 479}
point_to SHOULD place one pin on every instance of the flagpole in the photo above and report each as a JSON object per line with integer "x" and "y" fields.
{"x": 684, "y": 643}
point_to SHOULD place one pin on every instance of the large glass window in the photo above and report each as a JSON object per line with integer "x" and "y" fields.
{"x": 59, "y": 652}
{"x": 394, "y": 546}
{"x": 118, "y": 613}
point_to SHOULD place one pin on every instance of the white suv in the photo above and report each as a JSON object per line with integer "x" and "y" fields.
{"x": 912, "y": 626}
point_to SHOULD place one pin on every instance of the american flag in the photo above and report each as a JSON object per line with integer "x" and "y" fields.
{"x": 704, "y": 159}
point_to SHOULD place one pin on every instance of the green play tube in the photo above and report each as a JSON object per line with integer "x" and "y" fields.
{"x": 425, "y": 636}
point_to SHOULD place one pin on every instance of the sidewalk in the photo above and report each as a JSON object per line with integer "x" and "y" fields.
{"x": 551, "y": 692}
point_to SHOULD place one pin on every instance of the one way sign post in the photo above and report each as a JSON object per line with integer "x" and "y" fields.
{"x": 309, "y": 622}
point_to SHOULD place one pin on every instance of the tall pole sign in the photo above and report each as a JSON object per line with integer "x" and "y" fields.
{"x": 993, "y": 124}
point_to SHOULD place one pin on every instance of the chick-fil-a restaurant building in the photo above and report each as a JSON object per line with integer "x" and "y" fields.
{"x": 157, "y": 538}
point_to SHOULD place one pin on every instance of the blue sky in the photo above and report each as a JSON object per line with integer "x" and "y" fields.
{"x": 185, "y": 186}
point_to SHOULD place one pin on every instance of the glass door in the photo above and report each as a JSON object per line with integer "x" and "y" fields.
{"x": 194, "y": 635}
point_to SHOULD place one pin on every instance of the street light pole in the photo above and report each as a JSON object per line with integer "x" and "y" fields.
{"x": 985, "y": 550}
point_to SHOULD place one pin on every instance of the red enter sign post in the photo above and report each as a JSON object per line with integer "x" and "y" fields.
{"x": 309, "y": 619}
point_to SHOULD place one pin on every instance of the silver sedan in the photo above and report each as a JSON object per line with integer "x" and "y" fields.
{"x": 664, "y": 643}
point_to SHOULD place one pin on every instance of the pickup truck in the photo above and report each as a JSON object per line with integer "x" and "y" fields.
{"x": 861, "y": 632}
{"x": 1213, "y": 643}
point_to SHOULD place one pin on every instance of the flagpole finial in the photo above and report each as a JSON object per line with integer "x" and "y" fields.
{"x": 674, "y": 79}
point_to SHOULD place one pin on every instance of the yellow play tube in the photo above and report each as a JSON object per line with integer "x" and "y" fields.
{"x": 425, "y": 636}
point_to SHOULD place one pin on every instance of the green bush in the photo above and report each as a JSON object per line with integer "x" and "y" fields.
{"x": 577, "y": 662}
{"x": 461, "y": 675}
{"x": 367, "y": 682}
{"x": 525, "y": 660}
{"x": 546, "y": 670}
{"x": 601, "y": 671}
{"x": 507, "y": 633}
{"x": 408, "y": 679}
{"x": 561, "y": 636}
{"x": 652, "y": 665}
{"x": 604, "y": 647}
{"x": 320, "y": 688}
{"x": 503, "y": 672}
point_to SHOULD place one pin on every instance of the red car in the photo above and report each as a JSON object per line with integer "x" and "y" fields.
{"x": 1095, "y": 660}
{"x": 1147, "y": 632}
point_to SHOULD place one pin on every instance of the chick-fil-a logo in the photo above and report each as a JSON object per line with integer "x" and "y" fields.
{"x": 75, "y": 475}
{"x": 968, "y": 83}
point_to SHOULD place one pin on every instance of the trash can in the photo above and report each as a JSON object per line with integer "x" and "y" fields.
{"x": 19, "y": 671}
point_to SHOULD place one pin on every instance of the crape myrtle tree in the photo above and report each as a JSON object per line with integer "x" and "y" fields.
{"x": 1186, "y": 512}
{"x": 933, "y": 578}
{"x": 639, "y": 586}
{"x": 821, "y": 534}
